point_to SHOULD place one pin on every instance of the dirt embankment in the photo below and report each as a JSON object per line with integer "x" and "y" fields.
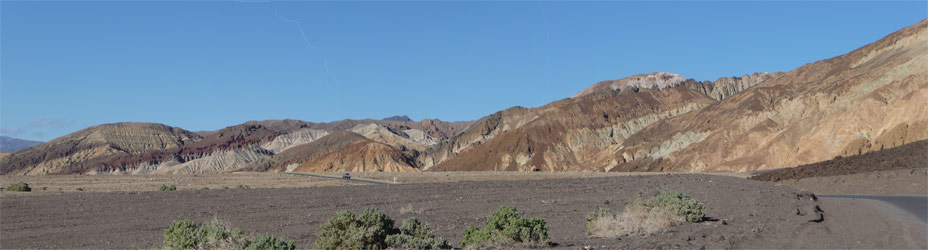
{"x": 897, "y": 182}
{"x": 912, "y": 155}
{"x": 743, "y": 213}
{"x": 899, "y": 170}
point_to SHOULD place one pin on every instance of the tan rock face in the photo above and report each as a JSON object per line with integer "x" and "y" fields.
{"x": 872, "y": 98}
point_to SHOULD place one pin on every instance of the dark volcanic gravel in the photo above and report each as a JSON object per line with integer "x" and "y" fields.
{"x": 744, "y": 213}
{"x": 912, "y": 155}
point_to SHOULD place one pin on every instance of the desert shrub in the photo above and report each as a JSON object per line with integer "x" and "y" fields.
{"x": 506, "y": 228}
{"x": 243, "y": 187}
{"x": 373, "y": 229}
{"x": 415, "y": 234}
{"x": 646, "y": 215}
{"x": 682, "y": 205}
{"x": 595, "y": 217}
{"x": 18, "y": 187}
{"x": 186, "y": 234}
{"x": 270, "y": 242}
{"x": 166, "y": 187}
{"x": 204, "y": 188}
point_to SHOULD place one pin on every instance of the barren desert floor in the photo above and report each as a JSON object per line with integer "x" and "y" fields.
{"x": 127, "y": 212}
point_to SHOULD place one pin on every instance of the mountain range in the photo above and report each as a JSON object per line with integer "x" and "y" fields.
{"x": 869, "y": 99}
{"x": 10, "y": 144}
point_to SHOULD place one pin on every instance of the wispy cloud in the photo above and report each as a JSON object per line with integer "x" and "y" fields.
{"x": 51, "y": 123}
{"x": 299, "y": 25}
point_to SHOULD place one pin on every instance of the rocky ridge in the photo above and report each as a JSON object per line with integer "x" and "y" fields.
{"x": 869, "y": 99}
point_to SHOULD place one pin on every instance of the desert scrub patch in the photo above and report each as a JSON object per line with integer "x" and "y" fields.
{"x": 646, "y": 216}
{"x": 373, "y": 229}
{"x": 415, "y": 234}
{"x": 243, "y": 187}
{"x": 213, "y": 234}
{"x": 594, "y": 218}
{"x": 505, "y": 228}
{"x": 18, "y": 187}
{"x": 165, "y": 187}
{"x": 682, "y": 205}
{"x": 266, "y": 241}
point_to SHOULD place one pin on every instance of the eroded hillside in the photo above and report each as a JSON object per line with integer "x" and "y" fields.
{"x": 869, "y": 99}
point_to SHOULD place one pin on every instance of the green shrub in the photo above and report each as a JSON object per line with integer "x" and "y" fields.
{"x": 373, "y": 229}
{"x": 506, "y": 228}
{"x": 186, "y": 234}
{"x": 270, "y": 242}
{"x": 686, "y": 207}
{"x": 18, "y": 187}
{"x": 243, "y": 187}
{"x": 204, "y": 188}
{"x": 415, "y": 234}
{"x": 165, "y": 187}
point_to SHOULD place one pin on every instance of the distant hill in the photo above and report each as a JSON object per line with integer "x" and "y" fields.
{"x": 398, "y": 118}
{"x": 10, "y": 144}
{"x": 142, "y": 148}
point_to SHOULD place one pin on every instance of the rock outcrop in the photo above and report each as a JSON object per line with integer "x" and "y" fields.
{"x": 728, "y": 86}
{"x": 656, "y": 80}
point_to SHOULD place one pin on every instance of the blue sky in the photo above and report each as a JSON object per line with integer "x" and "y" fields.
{"x": 204, "y": 65}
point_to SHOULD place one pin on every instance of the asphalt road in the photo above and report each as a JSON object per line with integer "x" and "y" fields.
{"x": 339, "y": 178}
{"x": 916, "y": 205}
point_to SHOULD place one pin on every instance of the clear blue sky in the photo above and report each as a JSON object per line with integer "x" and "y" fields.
{"x": 207, "y": 65}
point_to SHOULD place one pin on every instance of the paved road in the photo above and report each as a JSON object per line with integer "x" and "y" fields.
{"x": 340, "y": 178}
{"x": 916, "y": 205}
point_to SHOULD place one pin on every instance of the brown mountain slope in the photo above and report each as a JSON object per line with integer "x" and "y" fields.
{"x": 572, "y": 134}
{"x": 340, "y": 151}
{"x": 86, "y": 149}
{"x": 871, "y": 98}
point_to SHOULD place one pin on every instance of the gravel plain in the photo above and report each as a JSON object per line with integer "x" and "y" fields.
{"x": 742, "y": 213}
